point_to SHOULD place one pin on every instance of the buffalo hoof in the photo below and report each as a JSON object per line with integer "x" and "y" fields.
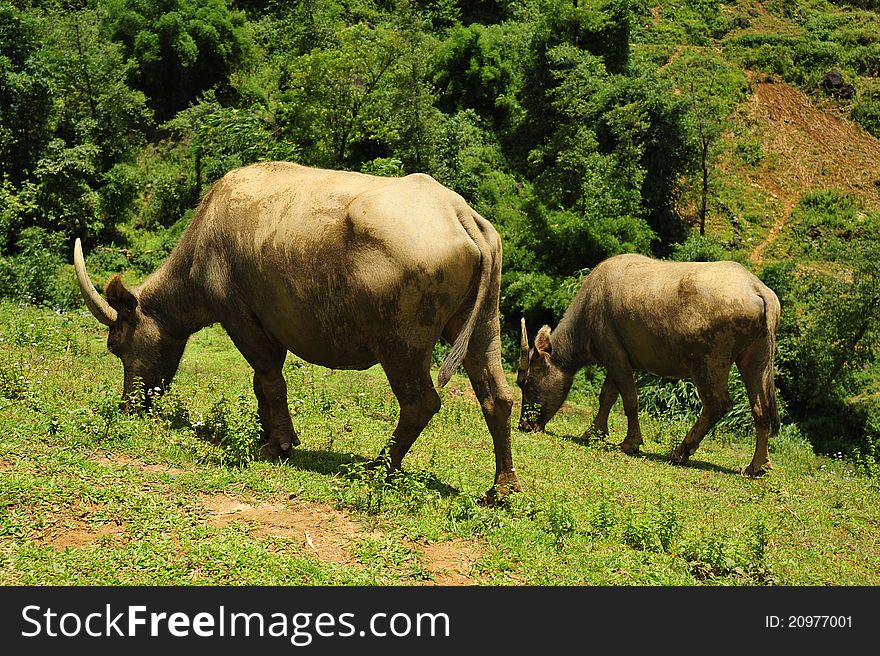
{"x": 505, "y": 485}
{"x": 680, "y": 456}
{"x": 630, "y": 448}
{"x": 753, "y": 471}
{"x": 270, "y": 451}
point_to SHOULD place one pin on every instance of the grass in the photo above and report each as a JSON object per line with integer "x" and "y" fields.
{"x": 90, "y": 496}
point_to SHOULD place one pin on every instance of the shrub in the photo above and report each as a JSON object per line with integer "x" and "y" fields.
{"x": 233, "y": 427}
{"x": 866, "y": 108}
{"x": 679, "y": 399}
{"x": 372, "y": 490}
{"x": 750, "y": 152}
{"x": 699, "y": 248}
{"x": 37, "y": 273}
{"x": 168, "y": 194}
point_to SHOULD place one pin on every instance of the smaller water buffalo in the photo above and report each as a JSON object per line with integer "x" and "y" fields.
{"x": 674, "y": 319}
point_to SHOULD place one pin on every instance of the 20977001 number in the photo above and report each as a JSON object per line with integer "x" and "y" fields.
{"x": 808, "y": 622}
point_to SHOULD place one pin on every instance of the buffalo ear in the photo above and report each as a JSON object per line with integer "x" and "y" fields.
{"x": 542, "y": 341}
{"x": 120, "y": 298}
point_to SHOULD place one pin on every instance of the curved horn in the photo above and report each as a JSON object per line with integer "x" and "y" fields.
{"x": 94, "y": 301}
{"x": 523, "y": 347}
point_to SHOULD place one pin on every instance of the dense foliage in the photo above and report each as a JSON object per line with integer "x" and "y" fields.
{"x": 581, "y": 128}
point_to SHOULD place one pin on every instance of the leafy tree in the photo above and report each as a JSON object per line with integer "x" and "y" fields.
{"x": 25, "y": 100}
{"x": 474, "y": 70}
{"x": 829, "y": 336}
{"x": 335, "y": 100}
{"x": 700, "y": 21}
{"x": 710, "y": 88}
{"x": 72, "y": 119}
{"x": 181, "y": 47}
{"x": 613, "y": 157}
{"x": 601, "y": 27}
{"x": 94, "y": 104}
{"x": 221, "y": 138}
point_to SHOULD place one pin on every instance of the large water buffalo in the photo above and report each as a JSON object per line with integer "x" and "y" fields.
{"x": 675, "y": 319}
{"x": 343, "y": 269}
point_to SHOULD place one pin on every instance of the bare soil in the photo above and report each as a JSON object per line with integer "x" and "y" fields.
{"x": 329, "y": 534}
{"x": 807, "y": 146}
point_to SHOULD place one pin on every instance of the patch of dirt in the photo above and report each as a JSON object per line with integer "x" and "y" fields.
{"x": 808, "y": 147}
{"x": 322, "y": 530}
{"x": 329, "y": 534}
{"x": 450, "y": 562}
{"x": 80, "y": 537}
{"x": 77, "y": 531}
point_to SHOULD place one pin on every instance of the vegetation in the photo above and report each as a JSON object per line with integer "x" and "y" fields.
{"x": 696, "y": 130}
{"x": 92, "y": 496}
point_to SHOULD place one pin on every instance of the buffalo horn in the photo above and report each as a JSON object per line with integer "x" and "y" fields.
{"x": 523, "y": 347}
{"x": 94, "y": 301}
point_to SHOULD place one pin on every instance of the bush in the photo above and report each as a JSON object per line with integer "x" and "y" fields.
{"x": 168, "y": 194}
{"x": 750, "y": 152}
{"x": 678, "y": 398}
{"x": 699, "y": 248}
{"x": 37, "y": 273}
{"x": 233, "y": 427}
{"x": 866, "y": 108}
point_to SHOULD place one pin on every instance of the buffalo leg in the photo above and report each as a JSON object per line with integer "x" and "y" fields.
{"x": 755, "y": 365}
{"x": 607, "y": 398}
{"x": 418, "y": 402}
{"x": 262, "y": 407}
{"x": 281, "y": 434}
{"x": 267, "y": 359}
{"x": 712, "y": 390}
{"x": 483, "y": 366}
{"x": 620, "y": 373}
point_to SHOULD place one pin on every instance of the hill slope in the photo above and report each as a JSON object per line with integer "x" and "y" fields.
{"x": 807, "y": 148}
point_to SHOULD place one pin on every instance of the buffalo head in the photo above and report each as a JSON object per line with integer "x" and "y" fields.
{"x": 544, "y": 385}
{"x": 149, "y": 354}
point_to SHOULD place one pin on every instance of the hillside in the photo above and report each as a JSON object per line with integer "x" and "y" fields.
{"x": 806, "y": 148}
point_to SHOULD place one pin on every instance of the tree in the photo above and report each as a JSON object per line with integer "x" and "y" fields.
{"x": 473, "y": 69}
{"x": 710, "y": 87}
{"x": 181, "y": 47}
{"x": 25, "y": 98}
{"x": 335, "y": 101}
{"x": 221, "y": 138}
{"x": 94, "y": 103}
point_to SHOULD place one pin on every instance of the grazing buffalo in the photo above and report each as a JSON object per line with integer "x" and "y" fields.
{"x": 674, "y": 319}
{"x": 343, "y": 269}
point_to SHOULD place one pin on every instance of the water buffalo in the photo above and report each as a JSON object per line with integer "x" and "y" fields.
{"x": 674, "y": 319}
{"x": 343, "y": 269}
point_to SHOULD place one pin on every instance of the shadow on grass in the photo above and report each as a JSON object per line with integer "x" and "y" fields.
{"x": 322, "y": 461}
{"x": 441, "y": 488}
{"x": 692, "y": 463}
{"x": 597, "y": 443}
{"x": 328, "y": 463}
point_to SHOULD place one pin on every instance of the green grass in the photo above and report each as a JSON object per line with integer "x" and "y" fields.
{"x": 90, "y": 496}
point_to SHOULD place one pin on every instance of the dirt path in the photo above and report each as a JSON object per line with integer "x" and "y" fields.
{"x": 756, "y": 257}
